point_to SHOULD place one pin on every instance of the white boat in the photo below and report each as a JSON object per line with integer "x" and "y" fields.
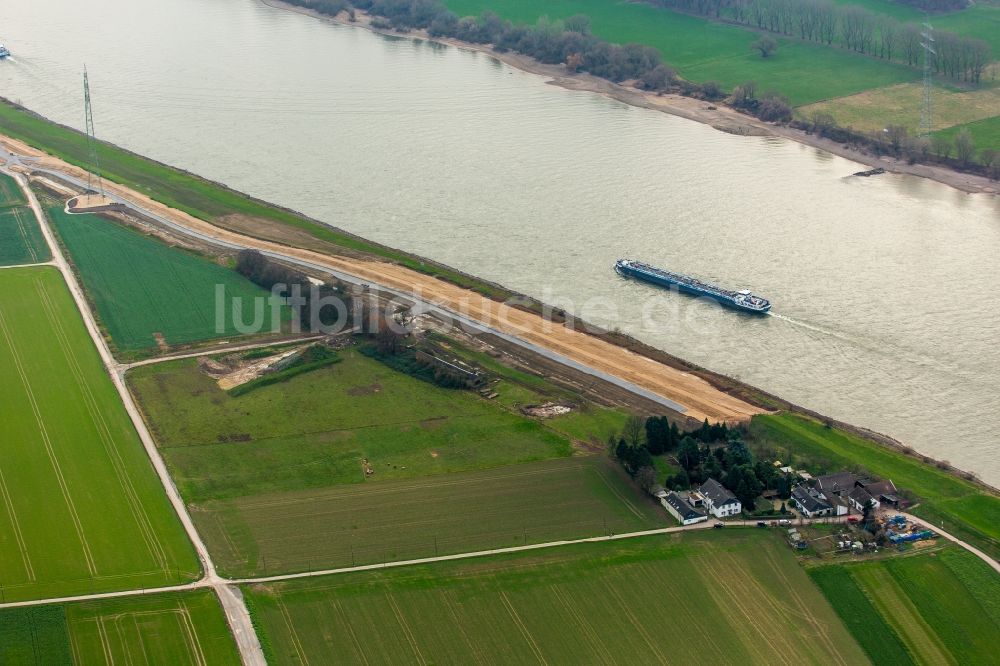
{"x": 4, "y": 51}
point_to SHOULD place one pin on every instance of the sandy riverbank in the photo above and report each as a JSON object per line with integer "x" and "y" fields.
{"x": 700, "y": 398}
{"x": 720, "y": 117}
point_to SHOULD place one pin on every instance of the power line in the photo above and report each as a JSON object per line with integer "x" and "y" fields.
{"x": 95, "y": 163}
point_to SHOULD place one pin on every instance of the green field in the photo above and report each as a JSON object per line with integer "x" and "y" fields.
{"x": 384, "y": 521}
{"x": 142, "y": 287}
{"x": 82, "y": 510}
{"x": 21, "y": 240}
{"x": 163, "y": 629}
{"x": 275, "y": 479}
{"x": 703, "y": 50}
{"x": 985, "y": 133}
{"x": 713, "y": 598}
{"x": 313, "y": 430}
{"x": 967, "y": 511}
{"x": 939, "y": 608}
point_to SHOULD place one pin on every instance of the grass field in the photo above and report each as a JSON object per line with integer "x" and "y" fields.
{"x": 713, "y": 598}
{"x": 314, "y": 430}
{"x": 985, "y": 133}
{"x": 398, "y": 520}
{"x": 202, "y": 198}
{"x": 164, "y": 629}
{"x": 967, "y": 511}
{"x": 81, "y": 509}
{"x": 21, "y": 240}
{"x": 918, "y": 609}
{"x": 276, "y": 482}
{"x": 874, "y": 110}
{"x": 703, "y": 50}
{"x": 142, "y": 287}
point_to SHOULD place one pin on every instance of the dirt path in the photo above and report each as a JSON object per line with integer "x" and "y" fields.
{"x": 698, "y": 398}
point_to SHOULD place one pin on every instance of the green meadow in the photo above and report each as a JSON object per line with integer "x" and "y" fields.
{"x": 143, "y": 289}
{"x": 967, "y": 510}
{"x": 934, "y": 608}
{"x": 712, "y": 597}
{"x": 166, "y": 629}
{"x": 82, "y": 510}
{"x": 985, "y": 133}
{"x": 703, "y": 50}
{"x": 276, "y": 480}
{"x": 21, "y": 240}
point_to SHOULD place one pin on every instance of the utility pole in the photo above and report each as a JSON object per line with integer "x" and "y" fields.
{"x": 927, "y": 43}
{"x": 95, "y": 164}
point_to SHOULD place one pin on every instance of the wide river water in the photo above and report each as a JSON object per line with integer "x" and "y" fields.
{"x": 886, "y": 290}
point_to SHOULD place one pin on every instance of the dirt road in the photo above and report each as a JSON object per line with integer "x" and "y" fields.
{"x": 690, "y": 394}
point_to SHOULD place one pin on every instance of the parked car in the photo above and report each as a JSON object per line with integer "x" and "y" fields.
{"x": 852, "y": 519}
{"x": 761, "y": 523}
{"x": 784, "y": 521}
{"x": 719, "y": 526}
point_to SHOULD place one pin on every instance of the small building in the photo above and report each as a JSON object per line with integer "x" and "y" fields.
{"x": 658, "y": 491}
{"x": 787, "y": 470}
{"x": 883, "y": 491}
{"x": 679, "y": 508}
{"x": 839, "y": 484}
{"x": 804, "y": 475}
{"x": 859, "y": 498}
{"x": 719, "y": 500}
{"x": 811, "y": 502}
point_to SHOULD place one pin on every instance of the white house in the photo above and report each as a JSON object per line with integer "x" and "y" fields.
{"x": 681, "y": 510}
{"x": 718, "y": 500}
{"x": 811, "y": 502}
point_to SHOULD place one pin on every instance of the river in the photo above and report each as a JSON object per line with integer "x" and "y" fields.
{"x": 884, "y": 289}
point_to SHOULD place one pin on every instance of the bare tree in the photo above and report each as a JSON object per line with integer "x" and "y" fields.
{"x": 965, "y": 149}
{"x": 941, "y": 145}
{"x": 635, "y": 430}
{"x": 767, "y": 45}
{"x": 646, "y": 478}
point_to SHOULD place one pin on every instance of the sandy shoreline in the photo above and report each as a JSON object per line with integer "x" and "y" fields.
{"x": 718, "y": 116}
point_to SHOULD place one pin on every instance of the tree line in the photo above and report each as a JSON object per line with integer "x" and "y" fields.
{"x": 852, "y": 27}
{"x": 315, "y": 302}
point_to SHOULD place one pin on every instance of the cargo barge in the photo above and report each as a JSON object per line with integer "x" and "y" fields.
{"x": 739, "y": 300}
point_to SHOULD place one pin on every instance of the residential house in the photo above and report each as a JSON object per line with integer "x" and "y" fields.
{"x": 883, "y": 491}
{"x": 681, "y": 510}
{"x": 859, "y": 498}
{"x": 719, "y": 500}
{"x": 840, "y": 484}
{"x": 810, "y": 502}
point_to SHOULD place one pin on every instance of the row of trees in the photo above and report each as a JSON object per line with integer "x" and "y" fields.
{"x": 567, "y": 42}
{"x": 317, "y": 305}
{"x": 852, "y": 27}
